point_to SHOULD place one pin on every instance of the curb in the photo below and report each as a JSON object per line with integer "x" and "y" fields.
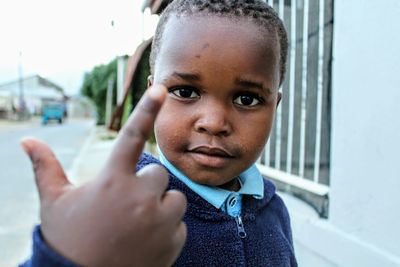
{"x": 73, "y": 170}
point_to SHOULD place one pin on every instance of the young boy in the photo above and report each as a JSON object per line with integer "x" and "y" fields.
{"x": 222, "y": 63}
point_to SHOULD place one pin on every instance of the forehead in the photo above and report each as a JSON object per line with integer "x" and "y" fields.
{"x": 202, "y": 41}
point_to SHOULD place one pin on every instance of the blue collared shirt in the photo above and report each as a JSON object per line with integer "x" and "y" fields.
{"x": 251, "y": 182}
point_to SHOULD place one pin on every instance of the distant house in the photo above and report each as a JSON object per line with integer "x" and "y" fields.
{"x": 79, "y": 106}
{"x": 34, "y": 91}
{"x": 5, "y": 103}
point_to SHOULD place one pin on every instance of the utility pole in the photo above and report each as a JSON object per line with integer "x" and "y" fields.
{"x": 109, "y": 98}
{"x": 21, "y": 104}
{"x": 120, "y": 65}
{"x": 120, "y": 79}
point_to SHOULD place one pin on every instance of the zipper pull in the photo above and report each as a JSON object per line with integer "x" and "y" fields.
{"x": 240, "y": 227}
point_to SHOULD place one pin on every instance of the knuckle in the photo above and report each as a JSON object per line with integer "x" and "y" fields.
{"x": 135, "y": 133}
{"x": 107, "y": 184}
{"x": 149, "y": 105}
{"x": 162, "y": 178}
{"x": 178, "y": 198}
{"x": 154, "y": 176}
{"x": 145, "y": 210}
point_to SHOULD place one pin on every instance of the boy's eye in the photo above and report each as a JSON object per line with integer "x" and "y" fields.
{"x": 247, "y": 99}
{"x": 185, "y": 92}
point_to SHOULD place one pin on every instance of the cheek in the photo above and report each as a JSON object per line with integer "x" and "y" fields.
{"x": 254, "y": 145}
{"x": 170, "y": 128}
{"x": 258, "y": 129}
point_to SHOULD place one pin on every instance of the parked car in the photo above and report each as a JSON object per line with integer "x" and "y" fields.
{"x": 53, "y": 111}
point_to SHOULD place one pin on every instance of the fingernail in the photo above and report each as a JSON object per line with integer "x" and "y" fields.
{"x": 24, "y": 145}
{"x": 157, "y": 91}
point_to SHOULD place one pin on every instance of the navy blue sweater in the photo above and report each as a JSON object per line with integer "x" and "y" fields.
{"x": 213, "y": 238}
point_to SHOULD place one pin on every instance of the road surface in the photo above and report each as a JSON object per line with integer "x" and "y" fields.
{"x": 18, "y": 196}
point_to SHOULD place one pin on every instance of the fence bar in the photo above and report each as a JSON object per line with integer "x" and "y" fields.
{"x": 267, "y": 153}
{"x": 291, "y": 86}
{"x": 279, "y": 109}
{"x": 278, "y": 137}
{"x": 304, "y": 91}
{"x": 319, "y": 89}
{"x": 267, "y": 149}
{"x": 282, "y": 9}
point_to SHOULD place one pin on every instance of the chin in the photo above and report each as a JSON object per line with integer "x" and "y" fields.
{"x": 211, "y": 180}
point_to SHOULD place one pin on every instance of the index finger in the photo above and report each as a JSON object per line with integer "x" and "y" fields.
{"x": 132, "y": 137}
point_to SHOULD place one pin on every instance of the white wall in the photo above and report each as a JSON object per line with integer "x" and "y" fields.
{"x": 365, "y": 159}
{"x": 363, "y": 225}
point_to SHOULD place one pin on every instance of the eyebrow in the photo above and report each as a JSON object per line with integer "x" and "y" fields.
{"x": 245, "y": 82}
{"x": 187, "y": 76}
{"x": 251, "y": 83}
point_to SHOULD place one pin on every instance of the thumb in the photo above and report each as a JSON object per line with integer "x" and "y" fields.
{"x": 50, "y": 177}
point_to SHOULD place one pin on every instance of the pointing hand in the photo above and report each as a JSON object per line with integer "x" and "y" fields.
{"x": 121, "y": 218}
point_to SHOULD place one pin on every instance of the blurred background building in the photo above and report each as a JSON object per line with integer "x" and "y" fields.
{"x": 28, "y": 94}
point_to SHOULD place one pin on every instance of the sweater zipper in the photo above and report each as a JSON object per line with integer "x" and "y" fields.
{"x": 240, "y": 227}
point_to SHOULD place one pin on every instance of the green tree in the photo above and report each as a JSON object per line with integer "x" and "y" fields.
{"x": 95, "y": 85}
{"x": 138, "y": 85}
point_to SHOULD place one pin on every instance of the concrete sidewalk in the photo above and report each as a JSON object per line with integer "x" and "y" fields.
{"x": 94, "y": 154}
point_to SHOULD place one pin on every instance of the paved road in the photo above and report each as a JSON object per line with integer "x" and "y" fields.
{"x": 18, "y": 197}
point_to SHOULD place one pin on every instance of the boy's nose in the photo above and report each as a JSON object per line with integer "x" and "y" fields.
{"x": 213, "y": 122}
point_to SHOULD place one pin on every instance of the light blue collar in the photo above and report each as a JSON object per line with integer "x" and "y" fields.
{"x": 251, "y": 184}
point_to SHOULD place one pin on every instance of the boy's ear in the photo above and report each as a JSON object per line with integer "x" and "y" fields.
{"x": 149, "y": 81}
{"x": 279, "y": 99}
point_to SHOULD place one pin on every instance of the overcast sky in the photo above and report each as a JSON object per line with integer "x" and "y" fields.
{"x": 60, "y": 39}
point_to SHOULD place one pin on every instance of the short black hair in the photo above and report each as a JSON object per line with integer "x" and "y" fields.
{"x": 256, "y": 10}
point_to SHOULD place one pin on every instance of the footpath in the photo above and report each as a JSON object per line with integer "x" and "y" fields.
{"x": 93, "y": 155}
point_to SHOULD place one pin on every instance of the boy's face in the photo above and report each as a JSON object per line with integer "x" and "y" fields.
{"x": 222, "y": 77}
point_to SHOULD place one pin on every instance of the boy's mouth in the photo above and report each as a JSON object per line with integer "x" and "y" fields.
{"x": 214, "y": 157}
{"x": 211, "y": 151}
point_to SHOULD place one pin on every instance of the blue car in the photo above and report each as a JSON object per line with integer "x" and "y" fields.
{"x": 53, "y": 112}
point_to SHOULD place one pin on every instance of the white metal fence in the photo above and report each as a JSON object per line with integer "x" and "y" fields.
{"x": 297, "y": 153}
